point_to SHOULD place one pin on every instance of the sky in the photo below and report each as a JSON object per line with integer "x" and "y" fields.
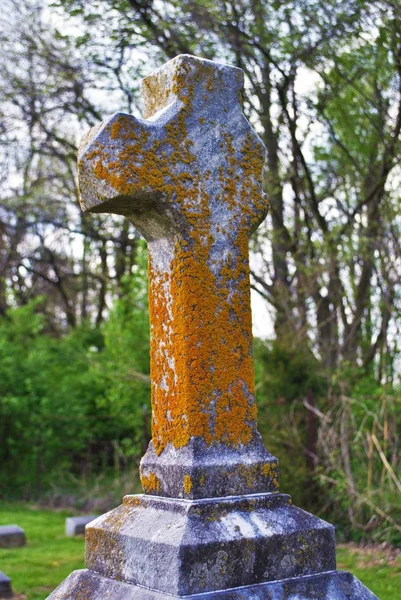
{"x": 262, "y": 322}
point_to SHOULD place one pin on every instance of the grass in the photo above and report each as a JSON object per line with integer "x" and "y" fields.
{"x": 378, "y": 568}
{"x": 49, "y": 556}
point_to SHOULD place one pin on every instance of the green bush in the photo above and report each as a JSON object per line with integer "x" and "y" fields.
{"x": 353, "y": 430}
{"x": 285, "y": 378}
{"x": 46, "y": 391}
{"x": 74, "y": 405}
{"x": 360, "y": 469}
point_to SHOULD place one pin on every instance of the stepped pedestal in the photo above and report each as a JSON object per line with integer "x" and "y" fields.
{"x": 255, "y": 547}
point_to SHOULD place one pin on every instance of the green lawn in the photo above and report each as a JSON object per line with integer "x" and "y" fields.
{"x": 49, "y": 556}
{"x": 377, "y": 568}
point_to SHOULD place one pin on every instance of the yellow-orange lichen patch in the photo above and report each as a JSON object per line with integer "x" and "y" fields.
{"x": 187, "y": 485}
{"x": 150, "y": 483}
{"x": 133, "y": 500}
{"x": 270, "y": 471}
{"x": 209, "y": 392}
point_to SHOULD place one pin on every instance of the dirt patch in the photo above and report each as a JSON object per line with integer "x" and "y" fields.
{"x": 374, "y": 555}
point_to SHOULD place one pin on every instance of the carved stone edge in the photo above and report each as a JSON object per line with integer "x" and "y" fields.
{"x": 186, "y": 547}
{"x": 334, "y": 585}
{"x": 198, "y": 471}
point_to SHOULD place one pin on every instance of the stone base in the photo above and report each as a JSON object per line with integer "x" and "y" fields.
{"x": 184, "y": 547}
{"x": 334, "y": 585}
{"x": 201, "y": 471}
{"x": 256, "y": 547}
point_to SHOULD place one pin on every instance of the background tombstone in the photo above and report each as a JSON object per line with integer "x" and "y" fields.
{"x": 5, "y": 586}
{"x": 212, "y": 520}
{"x": 11, "y": 536}
{"x": 76, "y": 525}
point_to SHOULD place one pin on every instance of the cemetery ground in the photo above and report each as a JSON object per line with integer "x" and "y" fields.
{"x": 50, "y": 556}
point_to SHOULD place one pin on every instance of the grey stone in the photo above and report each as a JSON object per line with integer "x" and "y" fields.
{"x": 76, "y": 525}
{"x": 186, "y": 547}
{"x": 334, "y": 585}
{"x": 11, "y": 536}
{"x": 189, "y": 178}
{"x": 212, "y": 523}
{"x": 5, "y": 586}
{"x": 214, "y": 471}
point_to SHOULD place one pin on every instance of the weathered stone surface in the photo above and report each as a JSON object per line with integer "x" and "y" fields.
{"x": 335, "y": 585}
{"x": 181, "y": 547}
{"x": 76, "y": 525}
{"x": 5, "y": 586}
{"x": 201, "y": 471}
{"x": 190, "y": 180}
{"x": 11, "y": 536}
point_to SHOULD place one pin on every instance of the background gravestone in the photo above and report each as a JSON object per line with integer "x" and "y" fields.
{"x": 5, "y": 586}
{"x": 11, "y": 536}
{"x": 212, "y": 520}
{"x": 76, "y": 525}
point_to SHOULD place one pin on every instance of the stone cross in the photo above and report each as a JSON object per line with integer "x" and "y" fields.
{"x": 212, "y": 520}
{"x": 189, "y": 177}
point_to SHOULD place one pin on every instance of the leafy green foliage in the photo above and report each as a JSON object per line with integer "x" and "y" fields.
{"x": 285, "y": 377}
{"x": 337, "y": 440}
{"x": 122, "y": 368}
{"x": 46, "y": 392}
{"x": 359, "y": 470}
{"x": 75, "y": 403}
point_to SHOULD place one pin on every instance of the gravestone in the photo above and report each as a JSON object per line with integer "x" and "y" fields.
{"x": 212, "y": 520}
{"x": 11, "y": 536}
{"x": 5, "y": 586}
{"x": 76, "y": 525}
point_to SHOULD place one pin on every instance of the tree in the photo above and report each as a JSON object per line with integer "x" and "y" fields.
{"x": 332, "y": 150}
{"x": 47, "y": 246}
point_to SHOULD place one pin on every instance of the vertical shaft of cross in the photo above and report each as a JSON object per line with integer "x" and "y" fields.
{"x": 201, "y": 355}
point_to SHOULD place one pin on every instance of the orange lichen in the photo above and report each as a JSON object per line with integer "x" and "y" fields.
{"x": 150, "y": 483}
{"x": 201, "y": 336}
{"x": 133, "y": 500}
{"x": 270, "y": 470}
{"x": 208, "y": 392}
{"x": 187, "y": 485}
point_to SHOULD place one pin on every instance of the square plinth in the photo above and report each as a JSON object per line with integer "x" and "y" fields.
{"x": 183, "y": 547}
